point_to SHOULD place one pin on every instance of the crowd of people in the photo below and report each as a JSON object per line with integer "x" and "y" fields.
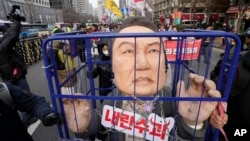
{"x": 125, "y": 72}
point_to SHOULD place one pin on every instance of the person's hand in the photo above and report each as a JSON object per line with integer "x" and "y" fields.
{"x": 16, "y": 17}
{"x": 78, "y": 114}
{"x": 217, "y": 121}
{"x": 193, "y": 111}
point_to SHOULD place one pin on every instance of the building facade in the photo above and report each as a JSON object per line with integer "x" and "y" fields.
{"x": 200, "y": 10}
{"x": 59, "y": 4}
{"x": 80, "y": 6}
{"x": 35, "y": 11}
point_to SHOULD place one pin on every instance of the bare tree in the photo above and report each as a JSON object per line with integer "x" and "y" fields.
{"x": 242, "y": 6}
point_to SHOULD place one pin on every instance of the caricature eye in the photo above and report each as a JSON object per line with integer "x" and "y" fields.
{"x": 128, "y": 51}
{"x": 154, "y": 51}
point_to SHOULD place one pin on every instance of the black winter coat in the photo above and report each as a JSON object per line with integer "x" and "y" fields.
{"x": 104, "y": 71}
{"x": 7, "y": 63}
{"x": 9, "y": 40}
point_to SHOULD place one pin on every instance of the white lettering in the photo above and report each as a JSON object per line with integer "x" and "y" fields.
{"x": 240, "y": 132}
{"x": 237, "y": 132}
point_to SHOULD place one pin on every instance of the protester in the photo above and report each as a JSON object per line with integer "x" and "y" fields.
{"x": 225, "y": 28}
{"x": 65, "y": 57}
{"x": 104, "y": 71}
{"x": 12, "y": 65}
{"x": 142, "y": 73}
{"x": 162, "y": 28}
{"x": 237, "y": 111}
{"x": 205, "y": 46}
{"x": 81, "y": 44}
{"x": 14, "y": 98}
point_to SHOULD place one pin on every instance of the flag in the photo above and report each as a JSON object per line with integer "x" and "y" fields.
{"x": 111, "y": 5}
{"x": 149, "y": 9}
{"x": 140, "y": 4}
{"x": 131, "y": 4}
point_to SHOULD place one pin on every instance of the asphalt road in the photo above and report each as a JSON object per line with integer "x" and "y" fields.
{"x": 38, "y": 84}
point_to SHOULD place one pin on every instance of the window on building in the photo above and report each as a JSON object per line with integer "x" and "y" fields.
{"x": 186, "y": 10}
{"x": 200, "y": 10}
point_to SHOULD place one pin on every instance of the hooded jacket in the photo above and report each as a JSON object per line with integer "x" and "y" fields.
{"x": 103, "y": 70}
{"x": 9, "y": 58}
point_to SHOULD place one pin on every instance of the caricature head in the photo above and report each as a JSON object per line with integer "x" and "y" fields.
{"x": 138, "y": 63}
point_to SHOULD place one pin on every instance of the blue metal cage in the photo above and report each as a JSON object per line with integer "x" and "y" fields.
{"x": 183, "y": 62}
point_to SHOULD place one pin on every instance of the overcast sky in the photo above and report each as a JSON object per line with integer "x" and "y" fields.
{"x": 94, "y": 3}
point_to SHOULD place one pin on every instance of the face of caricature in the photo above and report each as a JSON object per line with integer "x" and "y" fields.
{"x": 138, "y": 65}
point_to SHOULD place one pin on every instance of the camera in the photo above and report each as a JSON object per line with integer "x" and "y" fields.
{"x": 13, "y": 16}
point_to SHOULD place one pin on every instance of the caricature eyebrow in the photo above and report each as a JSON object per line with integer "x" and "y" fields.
{"x": 125, "y": 42}
{"x": 153, "y": 43}
{"x": 132, "y": 44}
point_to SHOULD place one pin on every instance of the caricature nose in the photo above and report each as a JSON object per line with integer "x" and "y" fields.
{"x": 141, "y": 61}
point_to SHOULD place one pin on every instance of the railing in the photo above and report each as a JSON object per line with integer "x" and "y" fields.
{"x": 30, "y": 49}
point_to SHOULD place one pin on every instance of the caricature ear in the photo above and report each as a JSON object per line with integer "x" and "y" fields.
{"x": 166, "y": 60}
{"x": 165, "y": 55}
{"x": 166, "y": 63}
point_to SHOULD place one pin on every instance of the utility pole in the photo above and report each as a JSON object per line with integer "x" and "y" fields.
{"x": 208, "y": 11}
{"x": 193, "y": 9}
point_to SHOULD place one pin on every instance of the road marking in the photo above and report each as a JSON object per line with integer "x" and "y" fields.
{"x": 33, "y": 127}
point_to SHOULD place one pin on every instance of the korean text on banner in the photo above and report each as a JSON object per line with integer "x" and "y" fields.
{"x": 190, "y": 49}
{"x": 112, "y": 6}
{"x": 157, "y": 128}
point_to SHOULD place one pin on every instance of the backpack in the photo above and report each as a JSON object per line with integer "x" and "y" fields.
{"x": 59, "y": 65}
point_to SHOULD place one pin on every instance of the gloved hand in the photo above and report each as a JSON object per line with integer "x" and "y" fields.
{"x": 16, "y": 17}
{"x": 52, "y": 119}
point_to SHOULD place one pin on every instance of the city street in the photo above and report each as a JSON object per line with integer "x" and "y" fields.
{"x": 38, "y": 84}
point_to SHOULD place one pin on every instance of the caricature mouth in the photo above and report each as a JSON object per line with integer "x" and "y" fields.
{"x": 142, "y": 80}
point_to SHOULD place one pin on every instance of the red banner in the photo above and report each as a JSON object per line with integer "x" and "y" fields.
{"x": 199, "y": 16}
{"x": 186, "y": 16}
{"x": 215, "y": 16}
{"x": 189, "y": 50}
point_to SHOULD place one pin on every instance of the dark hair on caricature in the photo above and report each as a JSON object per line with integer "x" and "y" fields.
{"x": 138, "y": 21}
